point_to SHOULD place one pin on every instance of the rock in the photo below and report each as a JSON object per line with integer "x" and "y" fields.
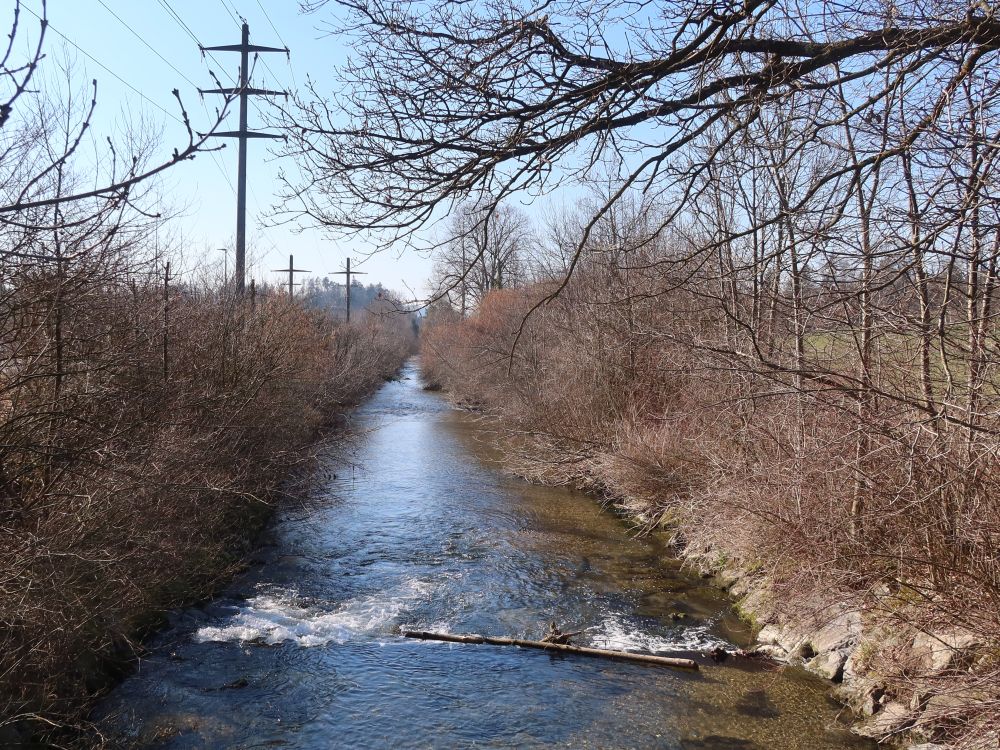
{"x": 894, "y": 717}
{"x": 840, "y": 632}
{"x": 758, "y": 605}
{"x": 945, "y": 705}
{"x": 718, "y": 654}
{"x": 864, "y": 697}
{"x": 857, "y": 661}
{"x": 829, "y": 664}
{"x": 769, "y": 635}
{"x": 805, "y": 651}
{"x": 770, "y": 650}
{"x": 871, "y": 700}
{"x": 927, "y": 746}
{"x": 943, "y": 651}
{"x": 919, "y": 700}
{"x": 728, "y": 577}
{"x": 776, "y": 635}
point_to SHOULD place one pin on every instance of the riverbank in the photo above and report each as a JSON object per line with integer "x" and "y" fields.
{"x": 828, "y": 635}
{"x": 157, "y": 501}
{"x": 757, "y": 492}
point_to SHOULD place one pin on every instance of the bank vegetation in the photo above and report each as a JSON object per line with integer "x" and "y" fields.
{"x": 846, "y": 462}
{"x": 148, "y": 413}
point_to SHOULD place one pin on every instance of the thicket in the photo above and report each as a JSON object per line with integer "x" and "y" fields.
{"x": 729, "y": 408}
{"x": 146, "y": 422}
{"x": 126, "y": 493}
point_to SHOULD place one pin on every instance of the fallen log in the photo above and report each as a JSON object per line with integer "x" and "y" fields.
{"x": 662, "y": 661}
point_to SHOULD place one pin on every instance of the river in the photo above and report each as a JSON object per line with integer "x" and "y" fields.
{"x": 410, "y": 523}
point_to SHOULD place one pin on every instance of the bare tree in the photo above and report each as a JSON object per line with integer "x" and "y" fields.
{"x": 481, "y": 255}
{"x": 442, "y": 99}
{"x": 30, "y": 162}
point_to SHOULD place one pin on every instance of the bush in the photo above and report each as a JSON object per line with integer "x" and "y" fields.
{"x": 125, "y": 493}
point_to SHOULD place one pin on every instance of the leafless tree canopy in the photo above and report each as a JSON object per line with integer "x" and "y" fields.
{"x": 480, "y": 255}
{"x": 442, "y": 99}
{"x": 145, "y": 418}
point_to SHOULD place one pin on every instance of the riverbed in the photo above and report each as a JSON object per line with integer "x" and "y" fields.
{"x": 409, "y": 522}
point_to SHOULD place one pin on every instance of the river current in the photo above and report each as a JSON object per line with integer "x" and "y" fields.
{"x": 410, "y": 523}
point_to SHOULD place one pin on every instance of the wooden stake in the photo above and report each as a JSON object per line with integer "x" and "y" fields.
{"x": 662, "y": 661}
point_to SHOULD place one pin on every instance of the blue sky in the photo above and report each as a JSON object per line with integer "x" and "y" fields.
{"x": 136, "y": 73}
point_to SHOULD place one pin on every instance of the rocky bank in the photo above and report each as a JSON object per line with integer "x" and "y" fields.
{"x": 907, "y": 687}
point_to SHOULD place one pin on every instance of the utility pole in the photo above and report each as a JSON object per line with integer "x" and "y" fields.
{"x": 465, "y": 275}
{"x": 244, "y": 92}
{"x": 348, "y": 273}
{"x": 166, "y": 322}
{"x": 225, "y": 267}
{"x": 292, "y": 270}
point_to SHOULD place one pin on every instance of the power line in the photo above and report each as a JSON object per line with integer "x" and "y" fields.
{"x": 233, "y": 15}
{"x": 283, "y": 44}
{"x": 177, "y": 18}
{"x": 244, "y": 91}
{"x": 148, "y": 45}
{"x": 213, "y": 154}
{"x": 105, "y": 67}
{"x": 222, "y": 170}
{"x": 215, "y": 159}
{"x": 273, "y": 27}
{"x": 194, "y": 37}
{"x": 235, "y": 20}
{"x": 256, "y": 57}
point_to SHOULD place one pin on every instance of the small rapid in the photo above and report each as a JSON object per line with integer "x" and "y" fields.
{"x": 411, "y": 524}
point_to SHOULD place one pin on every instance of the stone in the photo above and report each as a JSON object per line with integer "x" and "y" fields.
{"x": 919, "y": 700}
{"x": 769, "y": 635}
{"x": 829, "y": 664}
{"x": 727, "y": 577}
{"x": 944, "y": 705}
{"x": 792, "y": 640}
{"x": 864, "y": 697}
{"x": 804, "y": 650}
{"x": 741, "y": 587}
{"x": 770, "y": 650}
{"x": 893, "y": 718}
{"x": 758, "y": 604}
{"x": 839, "y": 632}
{"x": 857, "y": 660}
{"x": 944, "y": 651}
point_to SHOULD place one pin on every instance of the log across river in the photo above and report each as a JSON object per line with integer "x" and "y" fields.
{"x": 412, "y": 526}
{"x": 560, "y": 648}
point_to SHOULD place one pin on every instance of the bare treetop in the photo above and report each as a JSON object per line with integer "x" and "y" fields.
{"x": 444, "y": 100}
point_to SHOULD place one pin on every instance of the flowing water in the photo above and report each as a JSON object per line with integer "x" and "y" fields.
{"x": 418, "y": 528}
